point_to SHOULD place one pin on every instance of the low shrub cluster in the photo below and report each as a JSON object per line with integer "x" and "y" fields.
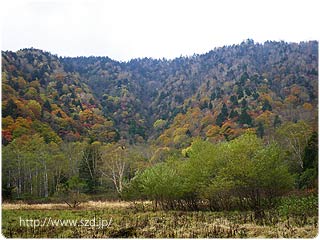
{"x": 242, "y": 174}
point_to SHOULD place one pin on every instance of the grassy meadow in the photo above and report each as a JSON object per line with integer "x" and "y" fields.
{"x": 128, "y": 220}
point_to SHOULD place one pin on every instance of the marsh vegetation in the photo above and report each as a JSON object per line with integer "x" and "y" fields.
{"x": 141, "y": 220}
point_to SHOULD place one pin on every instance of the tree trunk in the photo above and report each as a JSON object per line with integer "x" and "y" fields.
{"x": 30, "y": 178}
{"x": 46, "y": 188}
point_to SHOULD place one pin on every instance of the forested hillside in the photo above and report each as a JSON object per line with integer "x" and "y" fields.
{"x": 92, "y": 124}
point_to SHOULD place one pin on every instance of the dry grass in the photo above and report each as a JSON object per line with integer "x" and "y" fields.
{"x": 90, "y": 205}
{"x": 279, "y": 231}
{"x": 139, "y": 220}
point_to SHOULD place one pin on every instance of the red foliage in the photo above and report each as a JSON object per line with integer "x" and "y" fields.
{"x": 7, "y": 135}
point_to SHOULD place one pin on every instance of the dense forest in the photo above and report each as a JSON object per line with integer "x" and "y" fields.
{"x": 236, "y": 127}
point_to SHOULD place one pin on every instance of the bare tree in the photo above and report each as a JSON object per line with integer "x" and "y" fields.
{"x": 294, "y": 137}
{"x": 116, "y": 161}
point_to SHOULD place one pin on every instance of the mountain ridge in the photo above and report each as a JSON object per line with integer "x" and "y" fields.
{"x": 126, "y": 99}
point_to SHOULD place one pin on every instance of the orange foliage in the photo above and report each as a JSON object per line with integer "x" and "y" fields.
{"x": 307, "y": 106}
{"x": 213, "y": 131}
{"x": 291, "y": 99}
{"x": 295, "y": 90}
{"x": 264, "y": 96}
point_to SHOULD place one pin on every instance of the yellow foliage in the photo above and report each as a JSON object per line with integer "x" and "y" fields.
{"x": 35, "y": 84}
{"x": 22, "y": 122}
{"x": 179, "y": 118}
{"x": 124, "y": 114}
{"x": 54, "y": 106}
{"x": 159, "y": 124}
{"x": 22, "y": 83}
{"x": 185, "y": 151}
{"x": 7, "y": 122}
{"x": 307, "y": 106}
{"x": 63, "y": 114}
{"x": 111, "y": 135}
{"x": 227, "y": 128}
{"x": 250, "y": 131}
{"x": 160, "y": 153}
{"x": 206, "y": 120}
{"x": 85, "y": 115}
{"x": 180, "y": 131}
{"x": 179, "y": 139}
{"x": 164, "y": 140}
{"x": 8, "y": 90}
{"x": 265, "y": 117}
{"x": 213, "y": 131}
{"x": 264, "y": 96}
{"x": 196, "y": 112}
{"x": 35, "y": 107}
{"x": 108, "y": 123}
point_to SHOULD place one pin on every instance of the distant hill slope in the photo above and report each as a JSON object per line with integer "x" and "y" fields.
{"x": 216, "y": 95}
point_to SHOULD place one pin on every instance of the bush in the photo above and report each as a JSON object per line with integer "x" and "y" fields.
{"x": 296, "y": 206}
{"x": 242, "y": 174}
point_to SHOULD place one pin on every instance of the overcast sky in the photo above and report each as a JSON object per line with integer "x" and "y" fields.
{"x": 125, "y": 29}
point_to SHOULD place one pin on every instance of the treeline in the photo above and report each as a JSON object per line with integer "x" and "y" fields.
{"x": 242, "y": 174}
{"x": 35, "y": 170}
{"x": 247, "y": 172}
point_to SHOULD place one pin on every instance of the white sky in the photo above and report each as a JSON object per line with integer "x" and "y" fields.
{"x": 125, "y": 29}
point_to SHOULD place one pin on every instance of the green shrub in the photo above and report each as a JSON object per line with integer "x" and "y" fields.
{"x": 298, "y": 206}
